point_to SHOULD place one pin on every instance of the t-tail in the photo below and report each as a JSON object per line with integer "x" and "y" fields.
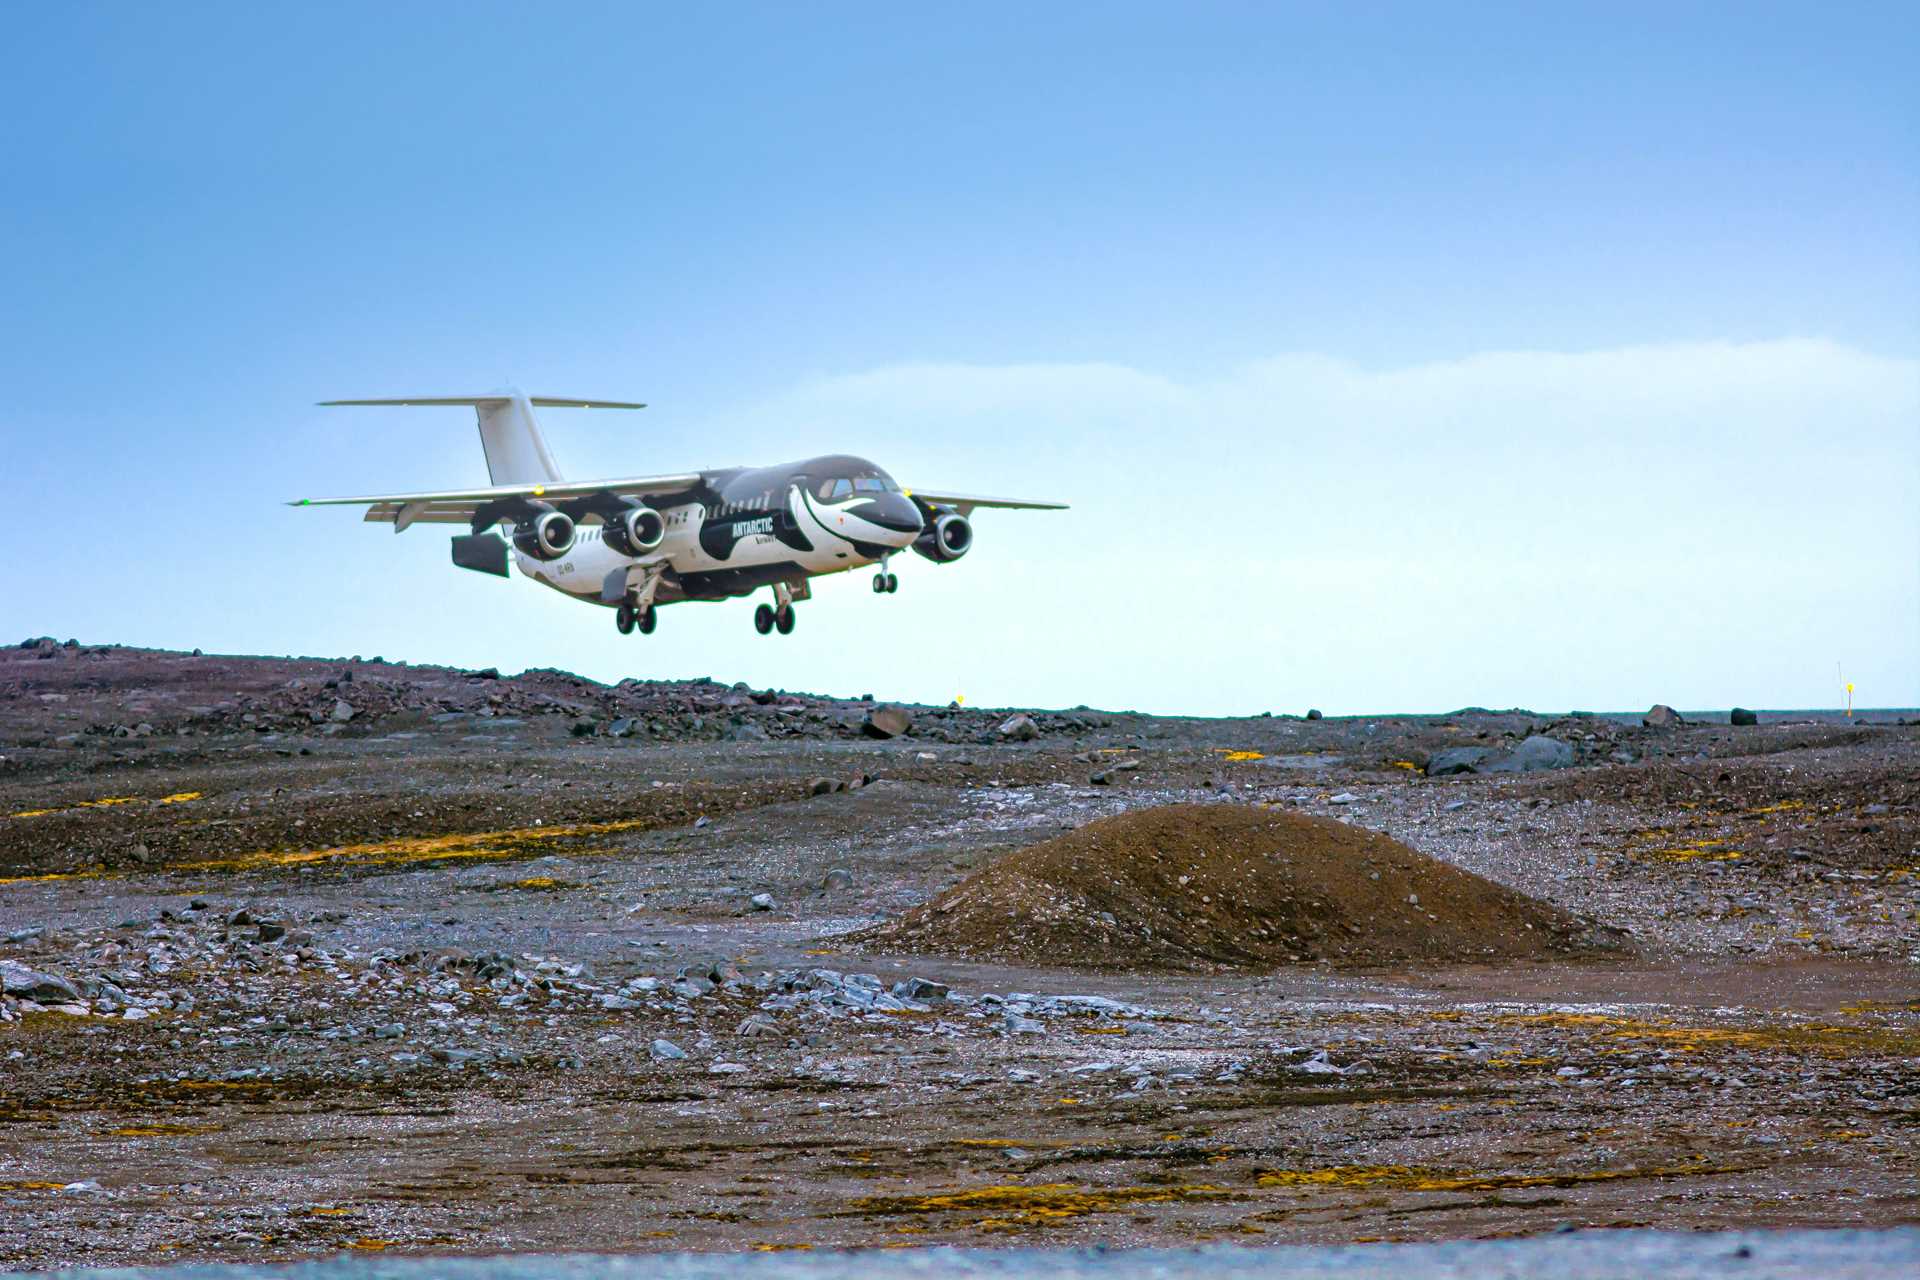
{"x": 516, "y": 451}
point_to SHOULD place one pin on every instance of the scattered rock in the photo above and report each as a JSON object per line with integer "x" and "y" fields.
{"x": 666, "y": 1051}
{"x": 1457, "y": 760}
{"x": 342, "y": 711}
{"x": 761, "y": 902}
{"x": 757, "y": 1024}
{"x": 1662, "y": 716}
{"x": 837, "y": 878}
{"x": 30, "y": 984}
{"x": 1020, "y": 728}
{"x": 1742, "y": 716}
{"x": 886, "y": 722}
{"x": 824, "y": 786}
{"x": 1533, "y": 755}
{"x": 1314, "y": 714}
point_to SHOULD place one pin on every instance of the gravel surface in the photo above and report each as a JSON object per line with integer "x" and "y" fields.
{"x": 454, "y": 975}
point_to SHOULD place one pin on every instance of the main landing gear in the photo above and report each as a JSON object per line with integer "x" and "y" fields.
{"x": 779, "y": 614}
{"x": 766, "y": 618}
{"x": 627, "y": 616}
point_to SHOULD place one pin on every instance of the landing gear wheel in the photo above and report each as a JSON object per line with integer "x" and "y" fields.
{"x": 649, "y": 618}
{"x": 893, "y": 583}
{"x": 623, "y": 617}
{"x": 763, "y": 619}
{"x": 784, "y": 620}
{"x": 879, "y": 583}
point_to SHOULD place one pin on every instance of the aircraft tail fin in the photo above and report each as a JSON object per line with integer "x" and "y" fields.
{"x": 516, "y": 451}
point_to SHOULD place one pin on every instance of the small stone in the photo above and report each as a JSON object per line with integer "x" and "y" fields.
{"x": 1345, "y": 797}
{"x": 823, "y": 787}
{"x": 920, "y": 989}
{"x": 838, "y": 878}
{"x": 240, "y": 918}
{"x": 271, "y": 931}
{"x": 390, "y": 1031}
{"x": 666, "y": 1051}
{"x": 342, "y": 711}
{"x": 757, "y": 1024}
{"x": 761, "y": 902}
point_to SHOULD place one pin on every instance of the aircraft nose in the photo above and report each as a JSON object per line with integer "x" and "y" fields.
{"x": 896, "y": 513}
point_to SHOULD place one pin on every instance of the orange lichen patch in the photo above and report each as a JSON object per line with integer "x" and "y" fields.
{"x": 31, "y": 1186}
{"x": 1415, "y": 1178}
{"x": 1012, "y": 1205}
{"x": 108, "y": 802}
{"x": 164, "y": 1130}
{"x": 370, "y": 1245}
{"x": 539, "y": 884}
{"x": 479, "y": 844}
{"x": 319, "y": 1211}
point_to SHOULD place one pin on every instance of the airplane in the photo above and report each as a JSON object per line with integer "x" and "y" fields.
{"x": 639, "y": 543}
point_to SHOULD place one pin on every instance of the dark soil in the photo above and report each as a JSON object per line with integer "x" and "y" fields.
{"x": 1195, "y": 886}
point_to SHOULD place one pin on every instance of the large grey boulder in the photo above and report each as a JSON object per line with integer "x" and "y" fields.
{"x": 1742, "y": 716}
{"x": 1662, "y": 716}
{"x": 1535, "y": 754}
{"x": 30, "y": 984}
{"x": 1457, "y": 760}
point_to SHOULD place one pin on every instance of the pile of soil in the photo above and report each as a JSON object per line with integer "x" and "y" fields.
{"x": 1200, "y": 887}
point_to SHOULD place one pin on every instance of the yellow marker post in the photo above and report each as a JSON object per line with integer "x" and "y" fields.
{"x": 1849, "y": 699}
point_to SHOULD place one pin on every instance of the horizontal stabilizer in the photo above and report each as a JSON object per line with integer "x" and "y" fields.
{"x": 541, "y": 402}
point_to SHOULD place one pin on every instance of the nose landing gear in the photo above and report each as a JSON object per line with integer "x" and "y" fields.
{"x": 885, "y": 582}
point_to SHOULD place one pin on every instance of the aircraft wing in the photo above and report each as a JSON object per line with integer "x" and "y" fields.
{"x": 965, "y": 503}
{"x": 459, "y": 506}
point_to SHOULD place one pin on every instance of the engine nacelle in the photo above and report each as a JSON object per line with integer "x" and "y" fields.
{"x": 949, "y": 537}
{"x": 547, "y": 536}
{"x": 636, "y": 531}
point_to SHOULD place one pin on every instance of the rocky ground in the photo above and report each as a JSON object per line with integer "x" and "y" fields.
{"x": 302, "y": 955}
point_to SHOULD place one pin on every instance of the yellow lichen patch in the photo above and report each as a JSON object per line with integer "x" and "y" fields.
{"x": 1826, "y": 1040}
{"x": 57, "y": 875}
{"x": 400, "y": 851}
{"x": 1102, "y": 1031}
{"x": 1012, "y": 1205}
{"x": 108, "y": 802}
{"x": 1408, "y": 765}
{"x": 781, "y": 1248}
{"x": 322, "y": 1211}
{"x": 371, "y": 1245}
{"x": 1351, "y": 1175}
{"x": 164, "y": 1130}
{"x": 539, "y": 884}
{"x": 1785, "y": 806}
{"x": 1415, "y": 1178}
{"x": 1698, "y": 851}
{"x": 1233, "y": 755}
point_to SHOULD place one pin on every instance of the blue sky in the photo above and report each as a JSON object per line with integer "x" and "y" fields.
{"x": 1393, "y": 359}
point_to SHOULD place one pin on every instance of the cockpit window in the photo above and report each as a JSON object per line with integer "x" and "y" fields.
{"x": 846, "y": 486}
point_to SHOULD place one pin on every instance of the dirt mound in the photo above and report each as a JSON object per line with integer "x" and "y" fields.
{"x": 1226, "y": 886}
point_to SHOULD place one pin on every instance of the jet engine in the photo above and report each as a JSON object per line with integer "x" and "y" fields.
{"x": 636, "y": 531}
{"x": 949, "y": 537}
{"x": 547, "y": 536}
